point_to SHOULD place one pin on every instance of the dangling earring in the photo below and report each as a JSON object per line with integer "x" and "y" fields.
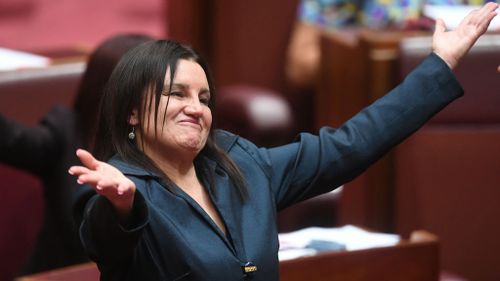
{"x": 131, "y": 135}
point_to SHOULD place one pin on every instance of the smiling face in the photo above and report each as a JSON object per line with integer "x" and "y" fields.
{"x": 184, "y": 118}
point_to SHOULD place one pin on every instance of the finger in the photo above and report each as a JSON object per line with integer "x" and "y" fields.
{"x": 122, "y": 188}
{"x": 490, "y": 7}
{"x": 125, "y": 187}
{"x": 87, "y": 159}
{"x": 89, "y": 178}
{"x": 480, "y": 17}
{"x": 107, "y": 184}
{"x": 109, "y": 189}
{"x": 440, "y": 27}
{"x": 487, "y": 13}
{"x": 109, "y": 193}
{"x": 486, "y": 18}
{"x": 484, "y": 10}
{"x": 78, "y": 170}
{"x": 498, "y": 69}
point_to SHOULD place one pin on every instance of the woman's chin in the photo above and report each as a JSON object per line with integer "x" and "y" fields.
{"x": 193, "y": 144}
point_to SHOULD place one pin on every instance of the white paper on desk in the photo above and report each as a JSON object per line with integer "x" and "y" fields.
{"x": 13, "y": 60}
{"x": 452, "y": 15}
{"x": 354, "y": 238}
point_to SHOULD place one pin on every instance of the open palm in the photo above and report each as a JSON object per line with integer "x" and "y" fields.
{"x": 106, "y": 180}
{"x": 452, "y": 45}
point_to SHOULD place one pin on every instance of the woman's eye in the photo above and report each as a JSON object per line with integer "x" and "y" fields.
{"x": 176, "y": 94}
{"x": 204, "y": 101}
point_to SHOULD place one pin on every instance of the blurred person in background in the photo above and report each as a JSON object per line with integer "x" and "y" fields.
{"x": 47, "y": 149}
{"x": 315, "y": 16}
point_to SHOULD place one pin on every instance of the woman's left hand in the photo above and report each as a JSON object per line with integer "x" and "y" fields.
{"x": 452, "y": 45}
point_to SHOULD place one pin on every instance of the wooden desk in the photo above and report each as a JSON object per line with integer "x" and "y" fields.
{"x": 411, "y": 260}
{"x": 81, "y": 272}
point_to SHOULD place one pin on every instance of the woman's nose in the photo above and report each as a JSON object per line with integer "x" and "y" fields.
{"x": 194, "y": 106}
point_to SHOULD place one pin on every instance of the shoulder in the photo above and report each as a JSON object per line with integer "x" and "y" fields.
{"x": 225, "y": 140}
{"x": 129, "y": 169}
{"x": 244, "y": 152}
{"x": 231, "y": 143}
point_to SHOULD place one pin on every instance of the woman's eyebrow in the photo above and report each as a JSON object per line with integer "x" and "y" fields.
{"x": 181, "y": 86}
{"x": 177, "y": 85}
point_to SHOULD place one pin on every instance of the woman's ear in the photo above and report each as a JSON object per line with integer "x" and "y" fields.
{"x": 133, "y": 119}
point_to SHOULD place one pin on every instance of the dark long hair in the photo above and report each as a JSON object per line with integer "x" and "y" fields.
{"x": 138, "y": 76}
{"x": 100, "y": 64}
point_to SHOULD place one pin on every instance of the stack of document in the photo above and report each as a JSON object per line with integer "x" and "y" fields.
{"x": 15, "y": 60}
{"x": 312, "y": 240}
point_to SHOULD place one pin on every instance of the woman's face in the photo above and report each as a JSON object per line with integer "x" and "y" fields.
{"x": 187, "y": 118}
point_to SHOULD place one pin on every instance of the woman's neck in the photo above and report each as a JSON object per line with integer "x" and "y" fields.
{"x": 177, "y": 165}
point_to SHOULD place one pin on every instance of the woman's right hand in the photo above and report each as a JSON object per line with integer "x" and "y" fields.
{"x": 107, "y": 181}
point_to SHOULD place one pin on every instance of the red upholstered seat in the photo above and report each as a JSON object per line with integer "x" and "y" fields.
{"x": 21, "y": 215}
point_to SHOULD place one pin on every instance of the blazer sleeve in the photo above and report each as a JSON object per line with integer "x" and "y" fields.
{"x": 32, "y": 148}
{"x": 108, "y": 241}
{"x": 317, "y": 164}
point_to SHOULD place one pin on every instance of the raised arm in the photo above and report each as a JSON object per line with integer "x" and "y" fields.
{"x": 33, "y": 149}
{"x": 452, "y": 45}
{"x": 107, "y": 181}
{"x": 314, "y": 165}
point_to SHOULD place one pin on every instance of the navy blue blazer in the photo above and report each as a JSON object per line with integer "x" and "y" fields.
{"x": 172, "y": 238}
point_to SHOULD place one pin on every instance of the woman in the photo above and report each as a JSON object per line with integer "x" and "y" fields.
{"x": 47, "y": 150}
{"x": 182, "y": 201}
